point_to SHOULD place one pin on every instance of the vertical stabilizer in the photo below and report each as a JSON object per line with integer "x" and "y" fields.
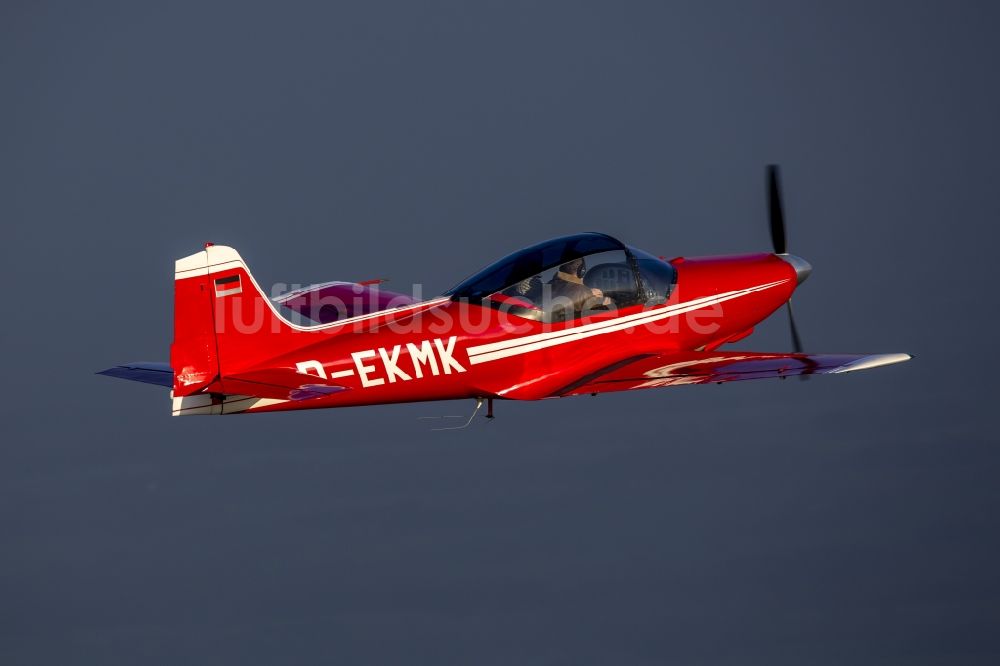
{"x": 193, "y": 354}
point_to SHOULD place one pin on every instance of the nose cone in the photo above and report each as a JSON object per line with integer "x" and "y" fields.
{"x": 802, "y": 267}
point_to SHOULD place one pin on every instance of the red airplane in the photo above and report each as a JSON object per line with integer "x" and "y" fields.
{"x": 581, "y": 314}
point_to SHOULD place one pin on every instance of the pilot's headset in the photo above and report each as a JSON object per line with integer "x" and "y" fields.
{"x": 581, "y": 267}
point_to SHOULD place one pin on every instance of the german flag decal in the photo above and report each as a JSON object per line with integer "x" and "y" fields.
{"x": 228, "y": 286}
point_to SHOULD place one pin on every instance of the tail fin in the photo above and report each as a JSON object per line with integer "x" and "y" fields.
{"x": 194, "y": 354}
{"x": 223, "y": 323}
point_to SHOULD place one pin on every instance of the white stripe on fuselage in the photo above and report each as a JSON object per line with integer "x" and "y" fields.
{"x": 515, "y": 346}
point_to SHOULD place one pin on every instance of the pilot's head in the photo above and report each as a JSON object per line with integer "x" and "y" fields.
{"x": 575, "y": 267}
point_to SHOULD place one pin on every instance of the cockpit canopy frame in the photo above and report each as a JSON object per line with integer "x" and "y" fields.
{"x": 530, "y": 261}
{"x": 653, "y": 278}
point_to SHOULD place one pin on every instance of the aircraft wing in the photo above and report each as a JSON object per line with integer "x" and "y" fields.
{"x": 679, "y": 368}
{"x": 278, "y": 383}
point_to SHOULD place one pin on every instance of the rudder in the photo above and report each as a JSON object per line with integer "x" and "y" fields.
{"x": 223, "y": 323}
{"x": 194, "y": 354}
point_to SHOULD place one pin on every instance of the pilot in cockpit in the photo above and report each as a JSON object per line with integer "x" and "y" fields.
{"x": 568, "y": 287}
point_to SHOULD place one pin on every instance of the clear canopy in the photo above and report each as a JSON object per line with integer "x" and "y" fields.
{"x": 569, "y": 277}
{"x": 531, "y": 261}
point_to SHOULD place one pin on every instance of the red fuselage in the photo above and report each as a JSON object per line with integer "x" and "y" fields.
{"x": 450, "y": 349}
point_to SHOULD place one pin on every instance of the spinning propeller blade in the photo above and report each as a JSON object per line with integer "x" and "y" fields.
{"x": 796, "y": 341}
{"x": 775, "y": 211}
{"x": 776, "y": 215}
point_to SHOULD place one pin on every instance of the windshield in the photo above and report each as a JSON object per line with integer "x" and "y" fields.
{"x": 532, "y": 261}
{"x": 656, "y": 276}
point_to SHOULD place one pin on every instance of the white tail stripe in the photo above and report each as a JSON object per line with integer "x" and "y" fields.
{"x": 231, "y": 404}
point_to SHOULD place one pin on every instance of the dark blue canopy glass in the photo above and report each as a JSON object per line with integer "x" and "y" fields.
{"x": 531, "y": 261}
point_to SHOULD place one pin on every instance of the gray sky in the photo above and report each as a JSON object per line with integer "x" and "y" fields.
{"x": 847, "y": 519}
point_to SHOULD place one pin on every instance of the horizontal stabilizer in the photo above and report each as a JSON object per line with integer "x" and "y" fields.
{"x": 150, "y": 373}
{"x": 279, "y": 384}
{"x": 334, "y": 301}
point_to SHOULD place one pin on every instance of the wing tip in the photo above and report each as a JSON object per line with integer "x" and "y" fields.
{"x": 872, "y": 361}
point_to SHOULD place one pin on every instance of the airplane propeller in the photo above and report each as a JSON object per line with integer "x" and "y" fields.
{"x": 776, "y": 215}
